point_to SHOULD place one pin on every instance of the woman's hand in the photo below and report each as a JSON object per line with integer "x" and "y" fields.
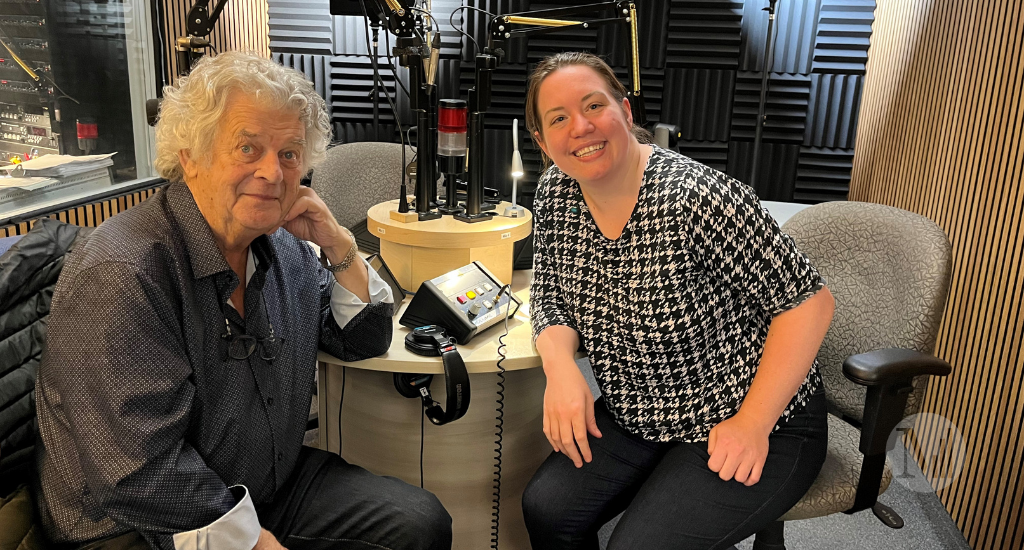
{"x": 738, "y": 447}
{"x": 569, "y": 412}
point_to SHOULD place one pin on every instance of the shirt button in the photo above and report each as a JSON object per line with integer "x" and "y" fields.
{"x": 280, "y": 456}
{"x": 270, "y": 401}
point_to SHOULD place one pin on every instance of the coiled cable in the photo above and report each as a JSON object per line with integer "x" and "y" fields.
{"x": 500, "y": 419}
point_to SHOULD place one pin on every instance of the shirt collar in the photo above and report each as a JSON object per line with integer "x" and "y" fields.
{"x": 205, "y": 257}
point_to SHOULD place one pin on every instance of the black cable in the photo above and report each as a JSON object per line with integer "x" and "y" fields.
{"x": 408, "y": 137}
{"x": 341, "y": 402}
{"x": 391, "y": 63}
{"x": 422, "y": 415}
{"x": 500, "y": 419}
{"x": 451, "y": 19}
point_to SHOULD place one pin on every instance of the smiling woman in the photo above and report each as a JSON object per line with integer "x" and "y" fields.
{"x": 701, "y": 320}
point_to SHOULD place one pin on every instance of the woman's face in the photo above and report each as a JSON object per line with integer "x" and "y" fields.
{"x": 584, "y": 131}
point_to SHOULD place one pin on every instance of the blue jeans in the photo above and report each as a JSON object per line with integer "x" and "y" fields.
{"x": 670, "y": 497}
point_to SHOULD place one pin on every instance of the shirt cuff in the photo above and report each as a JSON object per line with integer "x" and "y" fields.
{"x": 345, "y": 305}
{"x": 238, "y": 529}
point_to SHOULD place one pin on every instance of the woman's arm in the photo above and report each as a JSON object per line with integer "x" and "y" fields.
{"x": 568, "y": 401}
{"x": 739, "y": 445}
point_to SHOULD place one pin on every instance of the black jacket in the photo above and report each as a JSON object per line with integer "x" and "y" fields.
{"x": 28, "y": 273}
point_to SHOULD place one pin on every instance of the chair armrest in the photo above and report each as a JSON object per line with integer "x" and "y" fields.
{"x": 893, "y": 365}
{"x": 888, "y": 375}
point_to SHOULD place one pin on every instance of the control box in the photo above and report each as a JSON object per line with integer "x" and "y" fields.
{"x": 464, "y": 302}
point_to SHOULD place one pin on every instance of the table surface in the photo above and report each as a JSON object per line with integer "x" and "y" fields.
{"x": 480, "y": 354}
{"x": 446, "y": 231}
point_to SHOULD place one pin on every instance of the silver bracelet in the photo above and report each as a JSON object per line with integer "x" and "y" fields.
{"x": 346, "y": 262}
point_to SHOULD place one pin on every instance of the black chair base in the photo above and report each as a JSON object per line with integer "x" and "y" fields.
{"x": 887, "y": 515}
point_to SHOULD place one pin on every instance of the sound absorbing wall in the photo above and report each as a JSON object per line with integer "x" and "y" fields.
{"x": 701, "y": 63}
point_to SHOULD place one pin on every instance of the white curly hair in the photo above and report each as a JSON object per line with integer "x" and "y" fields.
{"x": 191, "y": 111}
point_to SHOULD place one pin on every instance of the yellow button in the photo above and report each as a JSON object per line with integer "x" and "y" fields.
{"x": 471, "y": 295}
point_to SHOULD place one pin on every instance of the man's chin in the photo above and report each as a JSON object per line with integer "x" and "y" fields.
{"x": 262, "y": 222}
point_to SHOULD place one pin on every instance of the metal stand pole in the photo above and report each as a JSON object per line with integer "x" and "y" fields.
{"x": 375, "y": 25}
{"x": 769, "y": 53}
{"x": 479, "y": 101}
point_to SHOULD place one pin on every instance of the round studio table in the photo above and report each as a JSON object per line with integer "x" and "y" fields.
{"x": 419, "y": 251}
{"x": 381, "y": 431}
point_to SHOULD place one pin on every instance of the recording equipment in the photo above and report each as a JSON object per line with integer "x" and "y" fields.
{"x": 451, "y": 149}
{"x": 28, "y": 109}
{"x": 430, "y": 341}
{"x": 464, "y": 301}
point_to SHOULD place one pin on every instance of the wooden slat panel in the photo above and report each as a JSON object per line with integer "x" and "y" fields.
{"x": 940, "y": 133}
{"x": 243, "y": 25}
{"x": 90, "y": 215}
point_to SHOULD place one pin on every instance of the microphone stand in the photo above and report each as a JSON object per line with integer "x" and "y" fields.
{"x": 769, "y": 55}
{"x": 375, "y": 25}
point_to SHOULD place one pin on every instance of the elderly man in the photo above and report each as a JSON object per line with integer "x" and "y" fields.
{"x": 175, "y": 387}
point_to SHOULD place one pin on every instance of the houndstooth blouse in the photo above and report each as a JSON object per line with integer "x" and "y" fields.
{"x": 674, "y": 313}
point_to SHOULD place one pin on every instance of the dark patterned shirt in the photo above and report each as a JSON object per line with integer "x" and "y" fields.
{"x": 145, "y": 422}
{"x": 674, "y": 313}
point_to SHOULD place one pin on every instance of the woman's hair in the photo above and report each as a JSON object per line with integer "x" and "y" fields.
{"x": 190, "y": 112}
{"x": 569, "y": 59}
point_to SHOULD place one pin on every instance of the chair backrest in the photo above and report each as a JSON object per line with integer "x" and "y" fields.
{"x": 889, "y": 271}
{"x": 28, "y": 273}
{"x": 356, "y": 176}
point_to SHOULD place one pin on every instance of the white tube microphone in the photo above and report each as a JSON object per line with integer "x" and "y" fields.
{"x": 515, "y": 211}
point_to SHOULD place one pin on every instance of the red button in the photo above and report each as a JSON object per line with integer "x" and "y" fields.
{"x": 462, "y": 299}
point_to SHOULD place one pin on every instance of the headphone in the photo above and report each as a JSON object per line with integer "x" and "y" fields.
{"x": 431, "y": 341}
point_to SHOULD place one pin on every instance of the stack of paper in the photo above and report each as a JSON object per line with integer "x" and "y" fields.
{"x": 54, "y": 176}
{"x": 59, "y": 166}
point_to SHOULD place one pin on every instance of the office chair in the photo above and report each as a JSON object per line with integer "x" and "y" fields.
{"x": 356, "y": 176}
{"x": 889, "y": 271}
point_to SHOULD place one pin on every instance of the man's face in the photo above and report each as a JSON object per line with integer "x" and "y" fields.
{"x": 252, "y": 177}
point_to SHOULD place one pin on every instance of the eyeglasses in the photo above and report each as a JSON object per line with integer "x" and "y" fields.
{"x": 241, "y": 346}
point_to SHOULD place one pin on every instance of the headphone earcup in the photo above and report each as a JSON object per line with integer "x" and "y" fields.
{"x": 408, "y": 384}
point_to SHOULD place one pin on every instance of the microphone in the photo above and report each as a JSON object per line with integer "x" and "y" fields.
{"x": 517, "y": 172}
{"x": 430, "y": 64}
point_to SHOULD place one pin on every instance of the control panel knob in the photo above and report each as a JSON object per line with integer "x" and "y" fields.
{"x": 474, "y": 309}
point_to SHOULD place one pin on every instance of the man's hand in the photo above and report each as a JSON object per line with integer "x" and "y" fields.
{"x": 267, "y": 541}
{"x": 569, "y": 412}
{"x": 310, "y": 220}
{"x": 738, "y": 447}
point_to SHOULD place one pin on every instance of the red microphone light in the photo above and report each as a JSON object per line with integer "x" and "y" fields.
{"x": 451, "y": 116}
{"x": 451, "y": 134}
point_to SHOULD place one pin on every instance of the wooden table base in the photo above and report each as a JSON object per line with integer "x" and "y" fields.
{"x": 381, "y": 432}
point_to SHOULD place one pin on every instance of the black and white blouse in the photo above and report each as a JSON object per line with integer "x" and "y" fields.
{"x": 674, "y": 313}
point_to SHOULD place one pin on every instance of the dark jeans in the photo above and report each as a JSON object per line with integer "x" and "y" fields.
{"x": 671, "y": 499}
{"x": 330, "y": 504}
